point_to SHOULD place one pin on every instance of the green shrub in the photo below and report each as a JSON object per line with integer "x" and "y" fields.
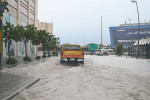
{"x": 44, "y": 56}
{"x": 56, "y": 53}
{"x": 27, "y": 59}
{"x": 49, "y": 56}
{"x": 38, "y": 57}
{"x": 11, "y": 61}
{"x": 119, "y": 49}
{"x": 45, "y": 53}
{"x": 119, "y": 54}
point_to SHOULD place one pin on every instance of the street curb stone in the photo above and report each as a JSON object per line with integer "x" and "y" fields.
{"x": 26, "y": 64}
{"x": 25, "y": 87}
{"x": 12, "y": 95}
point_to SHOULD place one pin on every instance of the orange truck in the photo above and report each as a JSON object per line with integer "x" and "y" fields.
{"x": 72, "y": 53}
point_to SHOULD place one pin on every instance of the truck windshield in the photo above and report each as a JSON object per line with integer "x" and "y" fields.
{"x": 71, "y": 47}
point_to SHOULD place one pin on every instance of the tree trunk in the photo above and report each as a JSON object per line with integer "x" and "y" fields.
{"x": 9, "y": 48}
{"x": 43, "y": 51}
{"x": 36, "y": 50}
{"x": 26, "y": 48}
{"x": 17, "y": 48}
{"x": 48, "y": 52}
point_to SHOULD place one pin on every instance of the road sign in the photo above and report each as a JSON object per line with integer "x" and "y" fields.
{"x": 92, "y": 47}
{"x": 2, "y": 6}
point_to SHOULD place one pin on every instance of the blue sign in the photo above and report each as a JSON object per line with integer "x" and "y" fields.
{"x": 128, "y": 35}
{"x": 2, "y": 6}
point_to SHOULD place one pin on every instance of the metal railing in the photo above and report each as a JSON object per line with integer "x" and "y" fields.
{"x": 144, "y": 51}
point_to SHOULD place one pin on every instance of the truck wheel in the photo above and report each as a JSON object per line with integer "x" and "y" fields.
{"x": 61, "y": 62}
{"x": 82, "y": 62}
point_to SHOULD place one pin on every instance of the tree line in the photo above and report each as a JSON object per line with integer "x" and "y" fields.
{"x": 29, "y": 33}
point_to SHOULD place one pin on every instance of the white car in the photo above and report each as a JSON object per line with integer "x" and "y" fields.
{"x": 101, "y": 52}
{"x": 98, "y": 52}
{"x": 106, "y": 49}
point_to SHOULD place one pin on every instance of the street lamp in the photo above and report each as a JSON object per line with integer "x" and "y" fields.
{"x": 131, "y": 31}
{"x": 101, "y": 32}
{"x": 134, "y": 1}
{"x": 2, "y": 8}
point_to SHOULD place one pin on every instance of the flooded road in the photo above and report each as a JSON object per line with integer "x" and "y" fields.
{"x": 101, "y": 78}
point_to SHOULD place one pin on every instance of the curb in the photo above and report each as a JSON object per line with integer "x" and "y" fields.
{"x": 35, "y": 62}
{"x": 24, "y": 87}
{"x": 26, "y": 64}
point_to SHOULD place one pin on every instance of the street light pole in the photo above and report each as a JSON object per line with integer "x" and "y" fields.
{"x": 131, "y": 31}
{"x": 2, "y": 8}
{"x": 1, "y": 46}
{"x": 101, "y": 31}
{"x": 134, "y": 1}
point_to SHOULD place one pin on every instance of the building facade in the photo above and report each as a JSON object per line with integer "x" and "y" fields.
{"x": 127, "y": 34}
{"x": 48, "y": 27}
{"x": 22, "y": 12}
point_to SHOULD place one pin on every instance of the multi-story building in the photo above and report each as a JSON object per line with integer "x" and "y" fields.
{"x": 127, "y": 34}
{"x": 22, "y": 12}
{"x": 48, "y": 27}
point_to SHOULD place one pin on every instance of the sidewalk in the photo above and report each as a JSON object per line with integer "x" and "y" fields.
{"x": 11, "y": 84}
{"x": 20, "y": 62}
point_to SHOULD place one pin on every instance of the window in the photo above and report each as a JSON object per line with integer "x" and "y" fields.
{"x": 71, "y": 47}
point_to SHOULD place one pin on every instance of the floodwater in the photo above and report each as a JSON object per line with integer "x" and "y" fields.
{"x": 101, "y": 78}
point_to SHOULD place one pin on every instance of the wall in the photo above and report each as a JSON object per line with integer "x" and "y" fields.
{"x": 45, "y": 26}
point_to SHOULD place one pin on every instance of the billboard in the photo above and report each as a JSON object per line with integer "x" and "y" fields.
{"x": 128, "y": 35}
{"x": 92, "y": 47}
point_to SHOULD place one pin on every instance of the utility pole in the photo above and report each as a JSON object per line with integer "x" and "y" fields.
{"x": 131, "y": 31}
{"x": 134, "y": 1}
{"x": 2, "y": 7}
{"x": 0, "y": 43}
{"x": 101, "y": 32}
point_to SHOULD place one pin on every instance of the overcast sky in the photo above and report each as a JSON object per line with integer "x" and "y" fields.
{"x": 79, "y": 21}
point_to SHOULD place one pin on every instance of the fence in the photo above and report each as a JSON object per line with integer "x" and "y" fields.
{"x": 144, "y": 51}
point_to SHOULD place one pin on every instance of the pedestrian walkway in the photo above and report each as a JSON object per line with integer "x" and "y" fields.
{"x": 10, "y": 84}
{"x": 20, "y": 62}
